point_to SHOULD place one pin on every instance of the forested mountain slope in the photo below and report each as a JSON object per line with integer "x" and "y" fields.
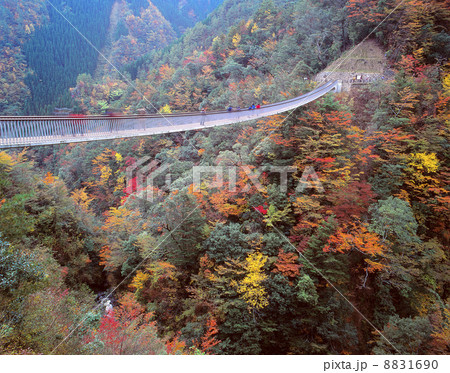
{"x": 36, "y": 37}
{"x": 131, "y": 36}
{"x": 183, "y": 14}
{"x": 56, "y": 53}
{"x": 244, "y": 51}
{"x": 18, "y": 20}
{"x": 244, "y": 264}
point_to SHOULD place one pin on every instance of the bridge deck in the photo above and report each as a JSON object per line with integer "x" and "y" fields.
{"x": 34, "y": 131}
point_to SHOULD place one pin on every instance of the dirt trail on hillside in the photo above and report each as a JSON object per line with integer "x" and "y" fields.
{"x": 103, "y": 67}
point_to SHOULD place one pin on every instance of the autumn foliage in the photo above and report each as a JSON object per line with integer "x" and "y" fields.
{"x": 241, "y": 262}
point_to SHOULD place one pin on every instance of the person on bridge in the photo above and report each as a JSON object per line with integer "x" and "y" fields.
{"x": 202, "y": 121}
{"x": 78, "y": 124}
{"x": 230, "y": 109}
{"x": 258, "y": 106}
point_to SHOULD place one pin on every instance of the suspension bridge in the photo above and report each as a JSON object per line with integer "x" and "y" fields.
{"x": 16, "y": 132}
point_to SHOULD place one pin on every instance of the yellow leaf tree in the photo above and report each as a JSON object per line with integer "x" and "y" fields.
{"x": 81, "y": 198}
{"x": 251, "y": 286}
{"x": 236, "y": 40}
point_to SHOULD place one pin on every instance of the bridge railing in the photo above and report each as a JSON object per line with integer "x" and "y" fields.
{"x": 42, "y": 130}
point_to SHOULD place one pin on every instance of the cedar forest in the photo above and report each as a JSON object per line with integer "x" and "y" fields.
{"x": 216, "y": 270}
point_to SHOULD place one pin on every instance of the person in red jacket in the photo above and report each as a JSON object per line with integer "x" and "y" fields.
{"x": 258, "y": 106}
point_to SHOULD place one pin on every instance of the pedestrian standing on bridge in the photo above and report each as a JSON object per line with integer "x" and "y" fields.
{"x": 202, "y": 122}
{"x": 258, "y": 106}
{"x": 77, "y": 124}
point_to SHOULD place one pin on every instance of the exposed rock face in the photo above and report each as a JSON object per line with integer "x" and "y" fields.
{"x": 361, "y": 65}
